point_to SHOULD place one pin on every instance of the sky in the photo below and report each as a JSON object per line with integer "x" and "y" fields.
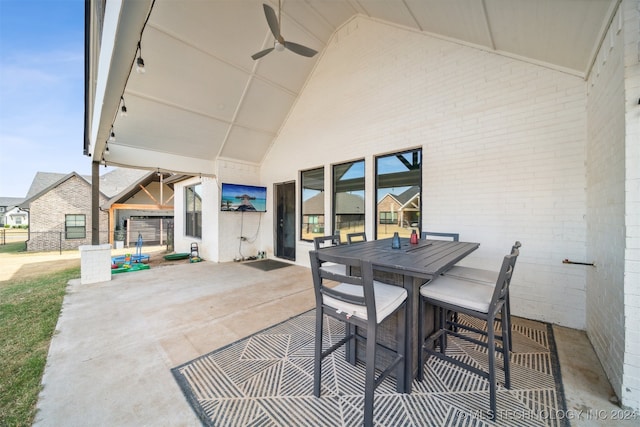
{"x": 41, "y": 91}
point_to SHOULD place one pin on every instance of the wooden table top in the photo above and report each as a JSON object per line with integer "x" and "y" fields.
{"x": 425, "y": 259}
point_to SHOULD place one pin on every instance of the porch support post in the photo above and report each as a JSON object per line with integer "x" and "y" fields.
{"x": 95, "y": 203}
{"x": 112, "y": 222}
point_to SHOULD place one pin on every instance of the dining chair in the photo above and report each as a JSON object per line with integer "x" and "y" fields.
{"x": 324, "y": 241}
{"x": 362, "y": 304}
{"x": 486, "y": 277}
{"x": 453, "y": 236}
{"x": 476, "y": 300}
{"x": 360, "y": 236}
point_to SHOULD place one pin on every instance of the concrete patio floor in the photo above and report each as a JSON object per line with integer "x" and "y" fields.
{"x": 115, "y": 343}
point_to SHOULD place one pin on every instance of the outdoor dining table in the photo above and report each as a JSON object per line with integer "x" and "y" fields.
{"x": 410, "y": 266}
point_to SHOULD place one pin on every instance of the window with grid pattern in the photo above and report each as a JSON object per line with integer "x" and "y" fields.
{"x": 75, "y": 226}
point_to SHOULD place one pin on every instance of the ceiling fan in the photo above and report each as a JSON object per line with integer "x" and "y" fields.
{"x": 280, "y": 43}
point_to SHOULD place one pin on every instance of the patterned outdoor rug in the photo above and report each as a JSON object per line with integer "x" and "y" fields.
{"x": 267, "y": 380}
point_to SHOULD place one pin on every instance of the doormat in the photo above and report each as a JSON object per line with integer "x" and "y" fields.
{"x": 267, "y": 264}
{"x": 266, "y": 379}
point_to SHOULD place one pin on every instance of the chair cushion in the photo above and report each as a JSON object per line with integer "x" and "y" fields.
{"x": 476, "y": 274}
{"x": 388, "y": 298}
{"x": 463, "y": 293}
{"x": 334, "y": 268}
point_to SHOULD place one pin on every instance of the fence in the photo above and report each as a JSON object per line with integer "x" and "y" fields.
{"x": 11, "y": 235}
{"x": 44, "y": 241}
{"x": 40, "y": 241}
{"x": 154, "y": 231}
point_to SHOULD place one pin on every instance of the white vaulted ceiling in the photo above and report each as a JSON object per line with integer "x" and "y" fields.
{"x": 203, "y": 97}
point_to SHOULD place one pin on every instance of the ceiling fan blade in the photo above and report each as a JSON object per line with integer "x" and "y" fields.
{"x": 299, "y": 49}
{"x": 261, "y": 53}
{"x": 272, "y": 20}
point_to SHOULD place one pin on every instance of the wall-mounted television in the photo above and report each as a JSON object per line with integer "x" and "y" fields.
{"x": 243, "y": 198}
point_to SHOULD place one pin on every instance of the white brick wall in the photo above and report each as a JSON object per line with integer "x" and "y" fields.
{"x": 605, "y": 207}
{"x": 631, "y": 377}
{"x": 95, "y": 263}
{"x": 208, "y": 243}
{"x": 503, "y": 146}
{"x": 236, "y": 224}
{"x": 613, "y": 195}
{"x": 221, "y": 231}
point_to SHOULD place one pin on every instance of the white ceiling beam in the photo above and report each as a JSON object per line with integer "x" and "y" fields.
{"x": 603, "y": 34}
{"x": 488, "y": 25}
{"x": 143, "y": 158}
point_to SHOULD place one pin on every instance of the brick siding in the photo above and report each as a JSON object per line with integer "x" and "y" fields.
{"x": 47, "y": 216}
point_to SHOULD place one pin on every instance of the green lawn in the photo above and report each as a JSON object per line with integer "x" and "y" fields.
{"x": 12, "y": 248}
{"x": 29, "y": 311}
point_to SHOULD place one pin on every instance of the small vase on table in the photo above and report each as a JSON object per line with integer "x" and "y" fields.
{"x": 395, "y": 242}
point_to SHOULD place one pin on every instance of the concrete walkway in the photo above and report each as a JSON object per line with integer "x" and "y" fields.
{"x": 116, "y": 342}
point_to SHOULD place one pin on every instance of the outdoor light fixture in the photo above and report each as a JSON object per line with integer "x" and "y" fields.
{"x": 112, "y": 136}
{"x": 106, "y": 149}
{"x": 123, "y": 109}
{"x": 140, "y": 62}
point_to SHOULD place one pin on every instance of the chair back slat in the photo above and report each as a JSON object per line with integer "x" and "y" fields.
{"x": 453, "y": 236}
{"x": 360, "y": 236}
{"x": 324, "y": 241}
{"x": 504, "y": 278}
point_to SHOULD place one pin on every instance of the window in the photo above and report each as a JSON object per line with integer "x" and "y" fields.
{"x": 388, "y": 217}
{"x": 75, "y": 227}
{"x": 348, "y": 198}
{"x": 193, "y": 211}
{"x": 312, "y": 187}
{"x": 398, "y": 190}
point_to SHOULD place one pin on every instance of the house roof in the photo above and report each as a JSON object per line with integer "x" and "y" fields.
{"x": 408, "y": 195}
{"x": 405, "y": 197}
{"x": 133, "y": 188}
{"x": 45, "y": 180}
{"x": 9, "y": 202}
{"x": 111, "y": 183}
{"x": 119, "y": 180}
{"x": 347, "y": 204}
{"x": 203, "y": 97}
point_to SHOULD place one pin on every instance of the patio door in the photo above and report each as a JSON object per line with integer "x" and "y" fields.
{"x": 285, "y": 226}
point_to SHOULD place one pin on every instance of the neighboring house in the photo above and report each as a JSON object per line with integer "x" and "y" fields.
{"x": 350, "y": 212}
{"x": 10, "y": 214}
{"x": 313, "y": 216}
{"x": 143, "y": 208}
{"x": 402, "y": 209}
{"x": 59, "y": 206}
{"x": 60, "y": 212}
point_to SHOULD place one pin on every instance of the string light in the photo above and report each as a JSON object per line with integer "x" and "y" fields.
{"x": 123, "y": 109}
{"x": 140, "y": 62}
